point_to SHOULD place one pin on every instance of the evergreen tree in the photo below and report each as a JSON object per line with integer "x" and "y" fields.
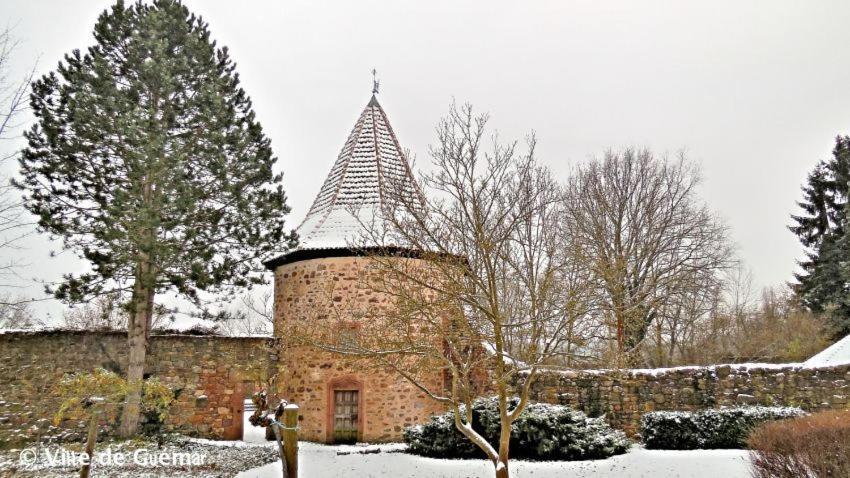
{"x": 147, "y": 160}
{"x": 824, "y": 229}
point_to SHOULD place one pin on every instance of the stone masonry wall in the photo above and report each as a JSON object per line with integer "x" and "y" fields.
{"x": 622, "y": 396}
{"x": 326, "y": 293}
{"x": 210, "y": 375}
{"x": 389, "y": 402}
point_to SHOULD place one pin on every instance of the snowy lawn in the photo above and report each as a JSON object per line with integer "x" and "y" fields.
{"x": 323, "y": 461}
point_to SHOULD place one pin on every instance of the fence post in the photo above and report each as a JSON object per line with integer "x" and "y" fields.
{"x": 91, "y": 438}
{"x": 276, "y": 427}
{"x": 290, "y": 439}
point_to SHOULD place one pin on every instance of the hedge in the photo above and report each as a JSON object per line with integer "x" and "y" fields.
{"x": 808, "y": 447}
{"x": 541, "y": 432}
{"x": 712, "y": 428}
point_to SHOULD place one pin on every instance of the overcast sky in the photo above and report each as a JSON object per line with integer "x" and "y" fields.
{"x": 753, "y": 91}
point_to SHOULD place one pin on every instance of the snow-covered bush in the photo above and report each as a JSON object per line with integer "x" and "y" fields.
{"x": 542, "y": 432}
{"x": 712, "y": 428}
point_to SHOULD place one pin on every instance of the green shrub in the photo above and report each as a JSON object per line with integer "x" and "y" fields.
{"x": 713, "y": 428}
{"x": 542, "y": 432}
{"x": 76, "y": 389}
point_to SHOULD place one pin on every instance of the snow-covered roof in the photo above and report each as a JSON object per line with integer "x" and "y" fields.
{"x": 836, "y": 354}
{"x": 370, "y": 169}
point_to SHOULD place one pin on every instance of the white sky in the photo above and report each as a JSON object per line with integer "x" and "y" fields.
{"x": 754, "y": 91}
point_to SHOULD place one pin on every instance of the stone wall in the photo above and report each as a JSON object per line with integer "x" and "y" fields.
{"x": 329, "y": 295}
{"x": 624, "y": 395}
{"x": 210, "y": 375}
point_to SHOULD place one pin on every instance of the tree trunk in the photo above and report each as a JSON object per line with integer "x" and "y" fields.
{"x": 502, "y": 470}
{"x": 138, "y": 331}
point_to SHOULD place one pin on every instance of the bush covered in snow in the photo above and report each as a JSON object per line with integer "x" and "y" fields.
{"x": 713, "y": 428}
{"x": 542, "y": 432}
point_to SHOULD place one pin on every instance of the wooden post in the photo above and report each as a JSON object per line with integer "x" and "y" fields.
{"x": 290, "y": 439}
{"x": 275, "y": 426}
{"x": 91, "y": 439}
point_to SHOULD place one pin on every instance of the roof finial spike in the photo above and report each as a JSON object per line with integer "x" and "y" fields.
{"x": 375, "y": 82}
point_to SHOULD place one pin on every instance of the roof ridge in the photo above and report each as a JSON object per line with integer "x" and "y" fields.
{"x": 404, "y": 159}
{"x": 355, "y": 133}
{"x": 377, "y": 149}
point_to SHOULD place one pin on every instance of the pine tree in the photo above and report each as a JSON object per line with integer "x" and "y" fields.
{"x": 147, "y": 160}
{"x": 824, "y": 229}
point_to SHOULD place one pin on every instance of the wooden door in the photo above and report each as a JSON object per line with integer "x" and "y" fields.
{"x": 345, "y": 416}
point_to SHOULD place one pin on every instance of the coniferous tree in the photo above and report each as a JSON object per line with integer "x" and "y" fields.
{"x": 824, "y": 229}
{"x": 147, "y": 160}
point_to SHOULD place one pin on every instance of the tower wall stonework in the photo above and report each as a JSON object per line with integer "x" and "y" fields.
{"x": 315, "y": 293}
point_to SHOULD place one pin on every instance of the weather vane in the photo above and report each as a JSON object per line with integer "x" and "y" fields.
{"x": 375, "y": 82}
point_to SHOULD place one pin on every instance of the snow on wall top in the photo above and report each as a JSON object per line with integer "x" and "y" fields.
{"x": 369, "y": 169}
{"x": 655, "y": 372}
{"x": 836, "y": 354}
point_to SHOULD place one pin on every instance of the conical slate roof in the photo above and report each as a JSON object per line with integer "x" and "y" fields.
{"x": 366, "y": 174}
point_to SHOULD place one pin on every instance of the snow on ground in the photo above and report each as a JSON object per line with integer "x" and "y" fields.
{"x": 322, "y": 461}
{"x": 250, "y": 433}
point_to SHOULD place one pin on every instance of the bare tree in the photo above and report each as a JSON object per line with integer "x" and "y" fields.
{"x": 579, "y": 307}
{"x": 478, "y": 284}
{"x": 109, "y": 312}
{"x": 775, "y": 328}
{"x": 726, "y": 322}
{"x": 254, "y": 316}
{"x": 13, "y": 220}
{"x": 718, "y": 337}
{"x": 648, "y": 241}
{"x": 680, "y": 318}
{"x": 17, "y": 314}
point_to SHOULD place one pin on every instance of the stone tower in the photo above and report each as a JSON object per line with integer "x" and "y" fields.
{"x": 341, "y": 402}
